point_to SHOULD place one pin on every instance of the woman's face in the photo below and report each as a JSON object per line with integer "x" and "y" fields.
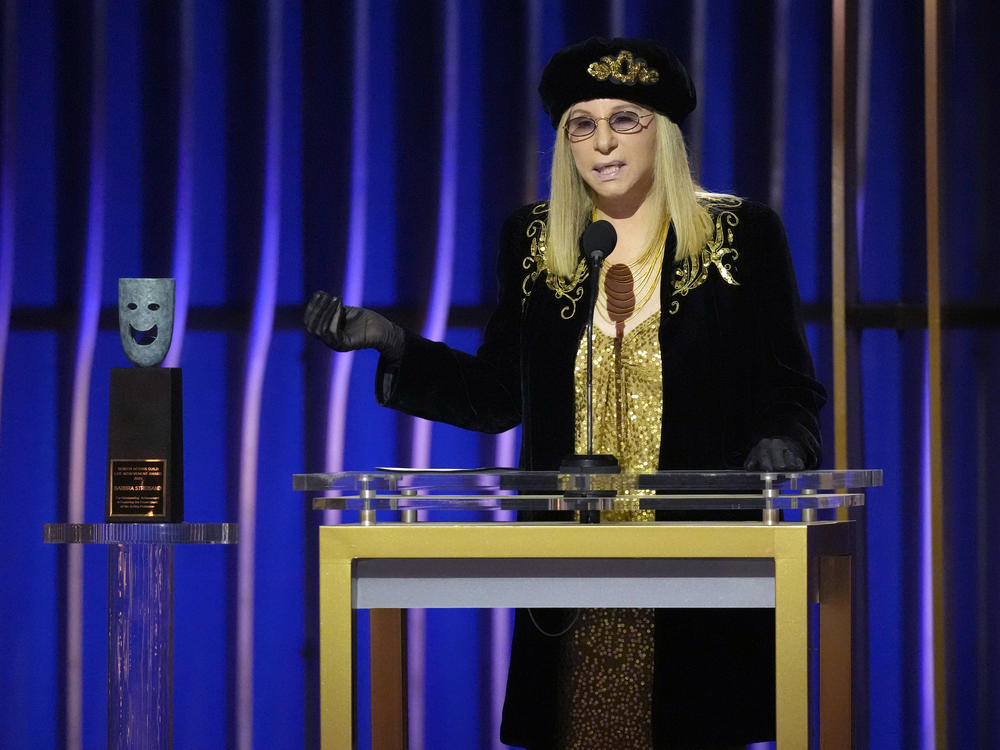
{"x": 618, "y": 167}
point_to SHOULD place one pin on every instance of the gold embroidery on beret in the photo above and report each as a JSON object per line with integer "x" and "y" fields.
{"x": 624, "y": 69}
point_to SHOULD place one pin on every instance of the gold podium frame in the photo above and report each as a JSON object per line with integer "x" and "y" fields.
{"x": 812, "y": 564}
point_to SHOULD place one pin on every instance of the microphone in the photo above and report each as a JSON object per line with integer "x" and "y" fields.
{"x": 597, "y": 242}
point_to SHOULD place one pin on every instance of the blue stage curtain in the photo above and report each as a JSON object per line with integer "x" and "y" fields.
{"x": 258, "y": 150}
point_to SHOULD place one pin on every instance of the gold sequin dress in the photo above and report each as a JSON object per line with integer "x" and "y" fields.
{"x": 606, "y": 685}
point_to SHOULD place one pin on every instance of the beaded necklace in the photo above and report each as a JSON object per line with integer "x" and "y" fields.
{"x": 619, "y": 284}
{"x": 620, "y": 300}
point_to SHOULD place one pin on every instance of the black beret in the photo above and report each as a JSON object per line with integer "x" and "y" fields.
{"x": 636, "y": 70}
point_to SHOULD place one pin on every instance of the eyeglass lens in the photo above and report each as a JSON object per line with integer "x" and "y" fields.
{"x": 621, "y": 122}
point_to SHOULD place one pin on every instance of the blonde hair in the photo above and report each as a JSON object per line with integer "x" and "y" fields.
{"x": 676, "y": 196}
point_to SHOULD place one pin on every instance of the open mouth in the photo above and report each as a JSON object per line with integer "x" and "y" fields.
{"x": 609, "y": 170}
{"x": 143, "y": 338}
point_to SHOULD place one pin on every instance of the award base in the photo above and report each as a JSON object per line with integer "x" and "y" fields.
{"x": 145, "y": 446}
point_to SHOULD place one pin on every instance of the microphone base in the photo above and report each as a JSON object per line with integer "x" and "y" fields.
{"x": 590, "y": 463}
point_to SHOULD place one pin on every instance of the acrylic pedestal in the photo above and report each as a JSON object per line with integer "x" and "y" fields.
{"x": 140, "y": 619}
{"x": 792, "y": 567}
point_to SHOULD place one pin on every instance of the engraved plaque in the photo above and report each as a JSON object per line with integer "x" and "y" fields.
{"x": 137, "y": 487}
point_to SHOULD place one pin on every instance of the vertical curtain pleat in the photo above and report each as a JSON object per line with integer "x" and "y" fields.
{"x": 86, "y": 339}
{"x": 865, "y": 23}
{"x": 926, "y": 665}
{"x": 505, "y": 448}
{"x": 779, "y": 93}
{"x": 357, "y": 237}
{"x": 435, "y": 325}
{"x": 183, "y": 228}
{"x": 436, "y": 315}
{"x": 861, "y": 668}
{"x": 617, "y": 10}
{"x": 8, "y": 170}
{"x": 529, "y": 99}
{"x": 261, "y": 329}
{"x": 934, "y": 646}
{"x": 694, "y": 124}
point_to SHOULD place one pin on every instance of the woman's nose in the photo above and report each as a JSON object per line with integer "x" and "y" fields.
{"x": 605, "y": 139}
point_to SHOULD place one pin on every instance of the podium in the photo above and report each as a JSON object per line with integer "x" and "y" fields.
{"x": 789, "y": 566}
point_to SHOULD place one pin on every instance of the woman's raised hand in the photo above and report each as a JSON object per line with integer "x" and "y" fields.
{"x": 344, "y": 328}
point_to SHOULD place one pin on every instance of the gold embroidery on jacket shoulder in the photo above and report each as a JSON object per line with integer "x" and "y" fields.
{"x": 718, "y": 252}
{"x": 534, "y": 263}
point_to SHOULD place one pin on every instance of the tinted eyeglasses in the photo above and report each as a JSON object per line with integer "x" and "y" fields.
{"x": 625, "y": 121}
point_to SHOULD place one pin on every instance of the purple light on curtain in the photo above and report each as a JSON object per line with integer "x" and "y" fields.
{"x": 8, "y": 155}
{"x": 928, "y": 739}
{"x": 696, "y": 67}
{"x": 90, "y": 306}
{"x": 261, "y": 328}
{"x": 435, "y": 327}
{"x": 505, "y": 446}
{"x": 616, "y": 18}
{"x": 436, "y": 322}
{"x": 859, "y": 221}
{"x": 500, "y": 635}
{"x": 336, "y": 420}
{"x": 862, "y": 97}
{"x": 416, "y": 683}
{"x": 185, "y": 186}
{"x": 500, "y": 621}
{"x": 90, "y": 303}
{"x": 505, "y": 453}
{"x": 529, "y": 99}
{"x": 866, "y": 11}
{"x": 779, "y": 97}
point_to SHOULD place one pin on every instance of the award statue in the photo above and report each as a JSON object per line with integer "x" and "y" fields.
{"x": 145, "y": 439}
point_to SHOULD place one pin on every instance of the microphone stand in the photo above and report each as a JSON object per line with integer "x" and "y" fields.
{"x": 590, "y": 462}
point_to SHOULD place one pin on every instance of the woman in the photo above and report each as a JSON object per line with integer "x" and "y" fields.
{"x": 700, "y": 363}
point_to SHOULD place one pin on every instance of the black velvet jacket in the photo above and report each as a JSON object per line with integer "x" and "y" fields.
{"x": 736, "y": 368}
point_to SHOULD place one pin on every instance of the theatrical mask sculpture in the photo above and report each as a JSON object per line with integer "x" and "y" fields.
{"x": 146, "y": 319}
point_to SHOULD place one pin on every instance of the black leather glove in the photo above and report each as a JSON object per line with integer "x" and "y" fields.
{"x": 344, "y": 328}
{"x": 776, "y": 454}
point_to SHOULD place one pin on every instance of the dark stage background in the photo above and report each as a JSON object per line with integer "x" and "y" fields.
{"x": 256, "y": 151}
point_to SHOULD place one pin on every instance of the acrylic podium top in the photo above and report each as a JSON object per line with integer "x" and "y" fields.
{"x": 489, "y": 489}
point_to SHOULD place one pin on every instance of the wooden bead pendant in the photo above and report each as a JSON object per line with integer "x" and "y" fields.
{"x": 620, "y": 292}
